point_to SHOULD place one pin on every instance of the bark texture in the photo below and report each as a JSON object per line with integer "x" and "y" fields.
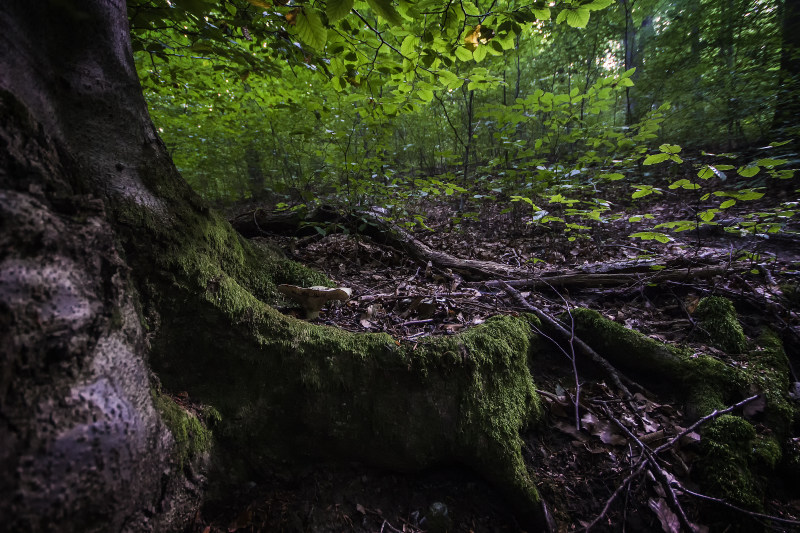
{"x": 81, "y": 445}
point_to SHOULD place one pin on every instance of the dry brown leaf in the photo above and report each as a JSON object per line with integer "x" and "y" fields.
{"x": 291, "y": 18}
{"x": 670, "y": 522}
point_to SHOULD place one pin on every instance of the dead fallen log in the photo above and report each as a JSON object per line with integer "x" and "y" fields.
{"x": 372, "y": 224}
{"x": 588, "y": 279}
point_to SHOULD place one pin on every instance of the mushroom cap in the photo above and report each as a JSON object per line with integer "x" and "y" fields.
{"x": 313, "y": 298}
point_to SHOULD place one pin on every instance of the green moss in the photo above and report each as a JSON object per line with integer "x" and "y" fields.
{"x": 192, "y": 438}
{"x": 768, "y": 370}
{"x": 791, "y": 291}
{"x": 767, "y": 452}
{"x": 732, "y": 430}
{"x": 704, "y": 382}
{"x": 211, "y": 416}
{"x": 718, "y": 318}
{"x": 724, "y": 466}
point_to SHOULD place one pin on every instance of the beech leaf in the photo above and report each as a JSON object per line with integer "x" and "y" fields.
{"x": 310, "y": 28}
{"x": 338, "y": 9}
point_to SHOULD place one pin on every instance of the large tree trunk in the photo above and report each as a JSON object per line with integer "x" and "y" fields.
{"x": 81, "y": 446}
{"x": 111, "y": 264}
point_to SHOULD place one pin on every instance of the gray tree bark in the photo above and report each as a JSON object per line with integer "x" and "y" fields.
{"x": 81, "y": 445}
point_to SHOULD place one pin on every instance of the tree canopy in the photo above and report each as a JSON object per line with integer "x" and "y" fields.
{"x": 379, "y": 102}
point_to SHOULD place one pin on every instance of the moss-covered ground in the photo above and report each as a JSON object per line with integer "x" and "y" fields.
{"x": 736, "y": 460}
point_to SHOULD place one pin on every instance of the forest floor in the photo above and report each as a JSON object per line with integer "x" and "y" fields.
{"x": 577, "y": 470}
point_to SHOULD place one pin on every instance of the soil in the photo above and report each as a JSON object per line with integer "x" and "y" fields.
{"x": 577, "y": 470}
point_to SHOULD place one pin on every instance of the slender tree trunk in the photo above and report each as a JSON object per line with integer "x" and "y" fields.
{"x": 787, "y": 108}
{"x": 255, "y": 173}
{"x": 468, "y": 144}
{"x": 629, "y": 51}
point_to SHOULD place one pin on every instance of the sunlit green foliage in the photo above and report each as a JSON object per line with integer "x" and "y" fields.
{"x": 380, "y": 102}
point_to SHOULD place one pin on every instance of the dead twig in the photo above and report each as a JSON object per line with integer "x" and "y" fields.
{"x": 720, "y": 501}
{"x": 589, "y": 279}
{"x": 600, "y": 361}
{"x": 648, "y": 457}
{"x": 700, "y": 422}
{"x": 656, "y": 469}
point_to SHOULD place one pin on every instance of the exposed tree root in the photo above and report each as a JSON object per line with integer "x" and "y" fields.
{"x": 616, "y": 377}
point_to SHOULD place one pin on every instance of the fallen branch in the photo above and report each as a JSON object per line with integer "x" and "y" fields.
{"x": 657, "y": 470}
{"x": 588, "y": 279}
{"x": 700, "y": 422}
{"x": 720, "y": 501}
{"x": 599, "y": 360}
{"x": 382, "y": 231}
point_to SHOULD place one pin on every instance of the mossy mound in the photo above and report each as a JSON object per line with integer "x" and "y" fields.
{"x": 705, "y": 383}
{"x": 735, "y": 460}
{"x": 725, "y": 467}
{"x": 289, "y": 390}
{"x": 718, "y": 318}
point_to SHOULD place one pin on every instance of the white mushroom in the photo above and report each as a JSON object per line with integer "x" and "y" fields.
{"x": 312, "y": 299}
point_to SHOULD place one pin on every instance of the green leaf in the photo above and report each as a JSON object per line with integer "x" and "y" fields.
{"x": 449, "y": 79}
{"x": 517, "y": 198}
{"x": 470, "y": 9}
{"x": 771, "y": 162}
{"x": 614, "y": 176}
{"x": 385, "y": 10}
{"x": 597, "y": 5}
{"x": 749, "y": 171}
{"x": 426, "y": 95}
{"x": 542, "y": 14}
{"x": 677, "y": 225}
{"x": 709, "y": 171}
{"x": 644, "y": 190}
{"x": 480, "y": 53}
{"x": 310, "y": 28}
{"x": 708, "y": 215}
{"x": 651, "y": 235}
{"x": 408, "y": 46}
{"x": 577, "y": 18}
{"x": 705, "y": 173}
{"x": 684, "y": 184}
{"x": 655, "y": 159}
{"x": 670, "y": 148}
{"x": 338, "y": 9}
{"x": 744, "y": 194}
{"x": 727, "y": 203}
{"x": 463, "y": 54}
